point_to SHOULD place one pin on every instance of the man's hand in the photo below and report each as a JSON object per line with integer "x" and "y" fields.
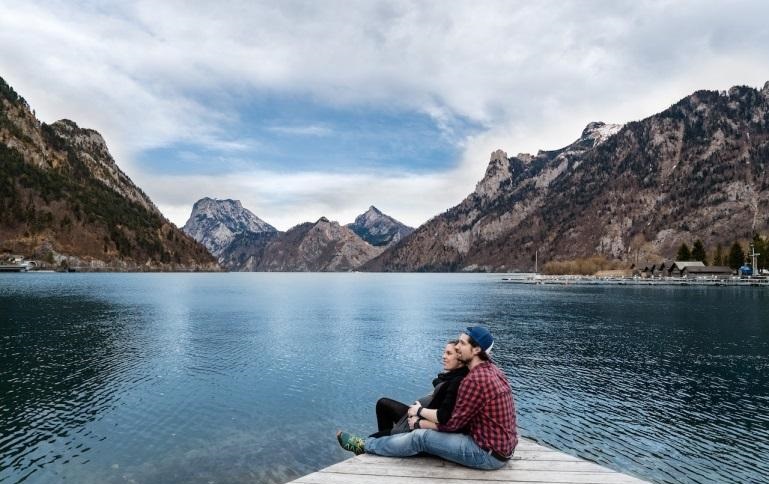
{"x": 412, "y": 422}
{"x": 414, "y": 408}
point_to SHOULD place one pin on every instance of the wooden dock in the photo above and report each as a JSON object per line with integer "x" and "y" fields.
{"x": 532, "y": 463}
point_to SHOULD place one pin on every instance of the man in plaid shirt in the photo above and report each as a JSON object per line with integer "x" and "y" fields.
{"x": 484, "y": 409}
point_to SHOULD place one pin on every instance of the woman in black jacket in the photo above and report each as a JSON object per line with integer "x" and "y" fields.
{"x": 391, "y": 415}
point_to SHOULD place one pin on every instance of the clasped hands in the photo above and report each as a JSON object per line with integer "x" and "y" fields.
{"x": 412, "y": 413}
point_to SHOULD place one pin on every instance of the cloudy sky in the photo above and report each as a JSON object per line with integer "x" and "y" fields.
{"x": 303, "y": 109}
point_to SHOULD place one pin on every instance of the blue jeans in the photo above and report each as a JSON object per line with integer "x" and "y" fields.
{"x": 459, "y": 448}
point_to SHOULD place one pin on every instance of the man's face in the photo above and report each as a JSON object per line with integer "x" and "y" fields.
{"x": 465, "y": 349}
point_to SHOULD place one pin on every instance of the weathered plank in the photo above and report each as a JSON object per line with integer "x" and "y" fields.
{"x": 528, "y": 465}
{"x": 503, "y": 475}
{"x": 532, "y": 463}
{"x": 334, "y": 478}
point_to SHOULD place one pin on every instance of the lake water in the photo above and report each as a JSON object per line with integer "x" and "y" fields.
{"x": 230, "y": 378}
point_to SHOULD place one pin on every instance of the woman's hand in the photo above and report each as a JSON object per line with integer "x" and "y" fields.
{"x": 414, "y": 409}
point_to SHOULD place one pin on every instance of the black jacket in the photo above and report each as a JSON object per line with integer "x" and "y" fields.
{"x": 445, "y": 387}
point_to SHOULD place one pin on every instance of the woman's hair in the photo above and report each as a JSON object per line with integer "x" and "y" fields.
{"x": 482, "y": 355}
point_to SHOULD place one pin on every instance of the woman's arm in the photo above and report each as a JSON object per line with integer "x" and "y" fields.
{"x": 423, "y": 423}
{"x": 428, "y": 414}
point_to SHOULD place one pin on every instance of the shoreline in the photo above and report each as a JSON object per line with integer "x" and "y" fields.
{"x": 564, "y": 280}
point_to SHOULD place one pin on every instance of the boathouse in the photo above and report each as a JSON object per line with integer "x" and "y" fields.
{"x": 643, "y": 269}
{"x": 676, "y": 269}
{"x": 662, "y": 269}
{"x": 707, "y": 272}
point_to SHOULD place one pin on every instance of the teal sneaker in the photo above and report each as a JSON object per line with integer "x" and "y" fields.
{"x": 350, "y": 442}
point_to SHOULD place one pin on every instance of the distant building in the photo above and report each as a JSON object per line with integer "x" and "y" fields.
{"x": 676, "y": 269}
{"x": 662, "y": 269}
{"x": 707, "y": 272}
{"x": 643, "y": 269}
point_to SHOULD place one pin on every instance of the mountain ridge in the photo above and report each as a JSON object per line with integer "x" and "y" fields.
{"x": 638, "y": 190}
{"x": 322, "y": 246}
{"x": 64, "y": 200}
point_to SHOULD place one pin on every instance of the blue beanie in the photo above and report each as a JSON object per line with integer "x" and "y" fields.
{"x": 482, "y": 336}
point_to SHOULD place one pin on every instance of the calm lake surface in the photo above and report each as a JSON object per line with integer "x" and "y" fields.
{"x": 230, "y": 378}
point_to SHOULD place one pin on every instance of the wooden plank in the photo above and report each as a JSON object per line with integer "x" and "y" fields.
{"x": 547, "y": 455}
{"x": 528, "y": 456}
{"x": 502, "y": 475}
{"x": 532, "y": 463}
{"x": 367, "y": 466}
{"x": 319, "y": 478}
{"x": 548, "y": 460}
{"x": 335, "y": 478}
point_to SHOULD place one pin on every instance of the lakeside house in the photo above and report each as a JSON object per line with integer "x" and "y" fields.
{"x": 662, "y": 269}
{"x": 710, "y": 272}
{"x": 688, "y": 269}
{"x": 677, "y": 267}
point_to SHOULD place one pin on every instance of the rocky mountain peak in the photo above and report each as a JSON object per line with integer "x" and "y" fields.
{"x": 322, "y": 220}
{"x": 92, "y": 154}
{"x": 215, "y": 223}
{"x": 498, "y": 157}
{"x": 525, "y": 157}
{"x": 598, "y": 132}
{"x": 371, "y": 216}
{"x": 87, "y": 140}
{"x": 496, "y": 173}
{"x": 372, "y": 211}
{"x": 378, "y": 229}
{"x": 765, "y": 90}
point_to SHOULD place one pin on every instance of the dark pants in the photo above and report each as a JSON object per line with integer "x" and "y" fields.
{"x": 388, "y": 412}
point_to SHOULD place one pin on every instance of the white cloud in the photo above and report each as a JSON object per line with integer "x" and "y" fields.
{"x": 149, "y": 74}
{"x": 287, "y": 199}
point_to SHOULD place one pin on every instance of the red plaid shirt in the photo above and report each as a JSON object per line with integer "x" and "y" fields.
{"x": 485, "y": 406}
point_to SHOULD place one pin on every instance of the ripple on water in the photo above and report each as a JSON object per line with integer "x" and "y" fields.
{"x": 245, "y": 377}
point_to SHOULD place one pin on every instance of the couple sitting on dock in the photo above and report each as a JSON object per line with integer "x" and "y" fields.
{"x": 468, "y": 419}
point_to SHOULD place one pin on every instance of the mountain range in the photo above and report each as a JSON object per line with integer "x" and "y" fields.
{"x": 243, "y": 242}
{"x": 696, "y": 170}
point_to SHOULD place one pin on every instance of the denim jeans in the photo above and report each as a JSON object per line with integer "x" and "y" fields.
{"x": 459, "y": 448}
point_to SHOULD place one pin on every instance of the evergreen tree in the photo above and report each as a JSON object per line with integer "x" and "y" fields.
{"x": 698, "y": 252}
{"x": 684, "y": 253}
{"x": 718, "y": 258}
{"x": 736, "y": 256}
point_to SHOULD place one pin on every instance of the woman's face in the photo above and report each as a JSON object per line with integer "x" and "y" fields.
{"x": 451, "y": 358}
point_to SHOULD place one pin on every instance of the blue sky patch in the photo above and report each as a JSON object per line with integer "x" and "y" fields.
{"x": 289, "y": 135}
